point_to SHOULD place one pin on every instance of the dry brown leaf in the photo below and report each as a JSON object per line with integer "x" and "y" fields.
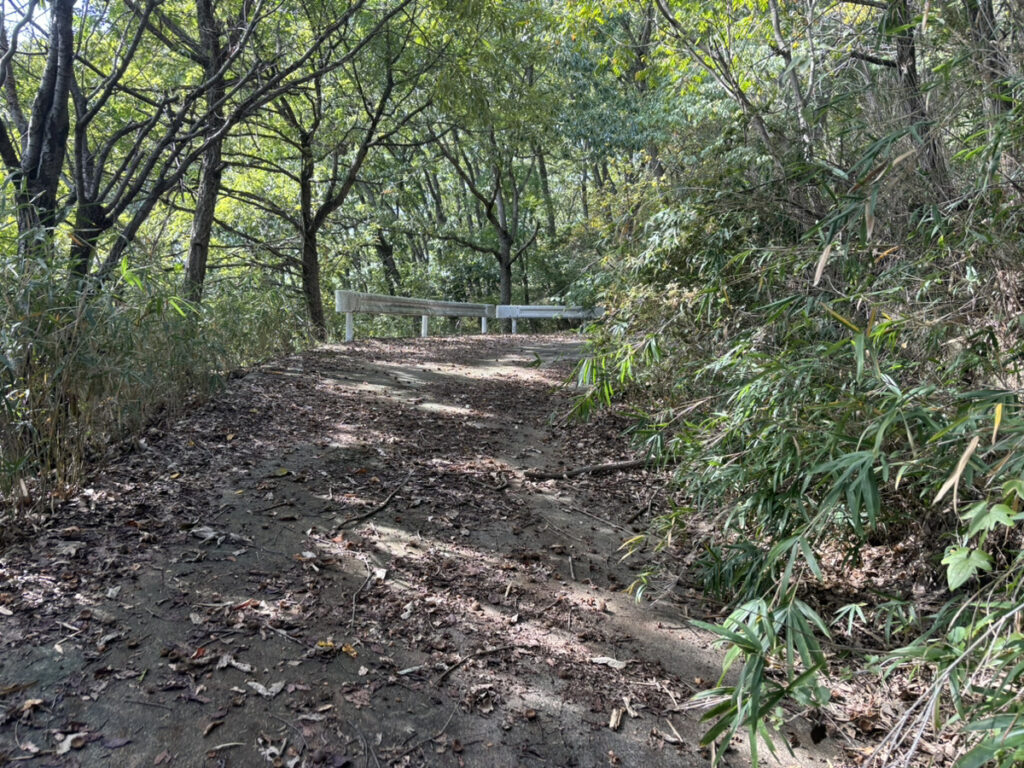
{"x": 954, "y": 478}
{"x": 822, "y": 263}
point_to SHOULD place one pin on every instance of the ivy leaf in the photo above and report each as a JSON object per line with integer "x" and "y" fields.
{"x": 987, "y": 519}
{"x": 963, "y": 564}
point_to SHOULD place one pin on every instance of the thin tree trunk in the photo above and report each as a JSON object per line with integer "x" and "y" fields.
{"x": 995, "y": 69}
{"x": 526, "y": 280}
{"x": 202, "y": 222}
{"x": 545, "y": 188}
{"x": 933, "y": 161}
{"x": 386, "y": 252}
{"x": 584, "y": 195}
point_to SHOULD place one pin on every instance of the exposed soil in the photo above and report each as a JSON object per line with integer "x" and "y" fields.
{"x": 340, "y": 561}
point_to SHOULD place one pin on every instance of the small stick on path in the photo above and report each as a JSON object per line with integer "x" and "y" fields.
{"x": 475, "y": 655}
{"x": 425, "y": 741}
{"x": 379, "y": 508}
{"x": 589, "y": 469}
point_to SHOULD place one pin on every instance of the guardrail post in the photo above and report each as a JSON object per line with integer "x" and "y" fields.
{"x": 424, "y": 326}
{"x": 350, "y": 329}
{"x": 515, "y": 325}
{"x": 483, "y": 324}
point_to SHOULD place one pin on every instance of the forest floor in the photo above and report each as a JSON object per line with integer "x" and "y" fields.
{"x": 341, "y": 560}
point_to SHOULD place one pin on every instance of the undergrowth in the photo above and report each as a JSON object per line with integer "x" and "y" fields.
{"x": 810, "y": 420}
{"x": 80, "y": 372}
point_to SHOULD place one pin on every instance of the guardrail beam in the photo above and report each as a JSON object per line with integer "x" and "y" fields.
{"x": 351, "y": 302}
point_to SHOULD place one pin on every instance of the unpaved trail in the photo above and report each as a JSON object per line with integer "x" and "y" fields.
{"x": 339, "y": 562}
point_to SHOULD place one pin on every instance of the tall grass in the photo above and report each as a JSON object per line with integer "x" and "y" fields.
{"x": 79, "y": 375}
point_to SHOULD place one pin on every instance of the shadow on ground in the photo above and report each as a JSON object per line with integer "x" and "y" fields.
{"x": 340, "y": 562}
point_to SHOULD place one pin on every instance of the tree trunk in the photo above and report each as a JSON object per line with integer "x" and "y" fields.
{"x": 44, "y": 146}
{"x": 584, "y": 196}
{"x": 211, "y": 171}
{"x": 89, "y": 225}
{"x": 202, "y": 222}
{"x": 995, "y": 70}
{"x": 310, "y": 252}
{"x": 386, "y": 252}
{"x": 311, "y": 284}
{"x": 526, "y": 280}
{"x": 505, "y": 267}
{"x": 933, "y": 161}
{"x": 545, "y": 188}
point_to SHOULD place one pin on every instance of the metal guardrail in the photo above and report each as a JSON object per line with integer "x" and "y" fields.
{"x": 517, "y": 312}
{"x": 351, "y": 302}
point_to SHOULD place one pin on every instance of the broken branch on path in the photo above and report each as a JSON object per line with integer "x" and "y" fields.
{"x": 589, "y": 469}
{"x": 379, "y": 508}
{"x": 424, "y": 742}
{"x": 475, "y": 655}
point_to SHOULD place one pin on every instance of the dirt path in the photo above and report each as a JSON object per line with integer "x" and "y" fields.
{"x": 339, "y": 562}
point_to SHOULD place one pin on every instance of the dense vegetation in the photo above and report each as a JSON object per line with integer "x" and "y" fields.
{"x": 803, "y": 219}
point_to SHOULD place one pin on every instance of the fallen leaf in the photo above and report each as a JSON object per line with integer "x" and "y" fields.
{"x": 270, "y": 692}
{"x": 163, "y": 757}
{"x": 609, "y": 662}
{"x": 227, "y": 660}
{"x": 346, "y": 648}
{"x": 359, "y": 698}
{"x": 615, "y": 719}
{"x": 211, "y": 726}
{"x": 116, "y": 743}
{"x": 29, "y": 704}
{"x": 71, "y": 741}
{"x": 666, "y": 737}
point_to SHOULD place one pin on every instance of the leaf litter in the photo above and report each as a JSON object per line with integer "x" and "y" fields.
{"x": 378, "y": 581}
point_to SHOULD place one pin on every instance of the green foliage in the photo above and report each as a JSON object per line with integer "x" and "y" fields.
{"x": 77, "y": 375}
{"x": 762, "y": 637}
{"x": 838, "y": 351}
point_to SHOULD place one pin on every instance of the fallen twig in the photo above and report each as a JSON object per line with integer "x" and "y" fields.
{"x": 603, "y": 520}
{"x": 285, "y": 503}
{"x": 379, "y": 508}
{"x": 589, "y": 469}
{"x": 355, "y": 595}
{"x": 476, "y": 654}
{"x": 424, "y": 742}
{"x": 650, "y": 503}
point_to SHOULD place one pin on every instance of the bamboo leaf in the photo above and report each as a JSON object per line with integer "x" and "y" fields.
{"x": 961, "y": 465}
{"x": 998, "y": 421}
